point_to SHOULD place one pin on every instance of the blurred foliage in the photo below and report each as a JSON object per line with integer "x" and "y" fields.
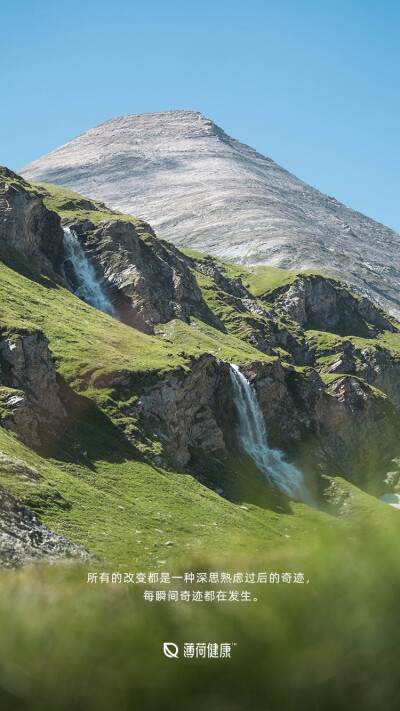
{"x": 331, "y": 644}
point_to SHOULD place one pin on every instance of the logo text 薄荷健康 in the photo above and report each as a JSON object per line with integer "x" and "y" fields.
{"x": 199, "y": 650}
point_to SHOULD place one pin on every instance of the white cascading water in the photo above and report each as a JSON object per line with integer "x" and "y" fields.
{"x": 252, "y": 435}
{"x": 88, "y": 287}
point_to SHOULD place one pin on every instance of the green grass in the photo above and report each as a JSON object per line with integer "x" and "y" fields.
{"x": 69, "y": 204}
{"x": 245, "y": 326}
{"x": 390, "y": 341}
{"x": 16, "y": 181}
{"x": 260, "y": 280}
{"x": 199, "y": 337}
{"x": 324, "y": 342}
{"x": 98, "y": 491}
{"x": 85, "y": 342}
{"x": 330, "y": 644}
{"x": 263, "y": 280}
{"x": 88, "y": 344}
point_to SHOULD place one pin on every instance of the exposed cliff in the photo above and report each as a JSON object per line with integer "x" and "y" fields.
{"x": 30, "y": 403}
{"x": 340, "y": 426}
{"x": 324, "y": 304}
{"x": 26, "y": 224}
{"x": 28, "y": 364}
{"x": 147, "y": 280}
{"x": 305, "y": 319}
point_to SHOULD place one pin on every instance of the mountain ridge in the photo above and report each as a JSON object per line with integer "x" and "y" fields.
{"x": 201, "y": 189}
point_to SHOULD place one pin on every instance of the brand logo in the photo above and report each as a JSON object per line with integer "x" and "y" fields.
{"x": 200, "y": 650}
{"x": 171, "y": 650}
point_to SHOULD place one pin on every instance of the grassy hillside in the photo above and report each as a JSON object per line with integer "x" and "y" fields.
{"x": 95, "y": 486}
{"x": 329, "y": 643}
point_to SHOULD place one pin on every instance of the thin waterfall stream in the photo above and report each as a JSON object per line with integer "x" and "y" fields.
{"x": 82, "y": 278}
{"x": 252, "y": 435}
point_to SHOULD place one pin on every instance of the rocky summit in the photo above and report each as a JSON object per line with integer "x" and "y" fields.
{"x": 202, "y": 189}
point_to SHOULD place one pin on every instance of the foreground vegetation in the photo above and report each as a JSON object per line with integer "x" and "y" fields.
{"x": 330, "y": 644}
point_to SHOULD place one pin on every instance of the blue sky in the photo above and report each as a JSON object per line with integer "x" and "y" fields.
{"x": 313, "y": 85}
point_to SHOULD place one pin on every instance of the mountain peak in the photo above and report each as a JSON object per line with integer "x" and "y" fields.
{"x": 176, "y": 123}
{"x": 202, "y": 189}
{"x": 188, "y": 114}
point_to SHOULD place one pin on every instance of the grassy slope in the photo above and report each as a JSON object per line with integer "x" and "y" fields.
{"x": 110, "y": 491}
{"x": 95, "y": 470}
{"x": 72, "y": 205}
{"x": 331, "y": 644}
{"x": 125, "y": 510}
{"x": 325, "y": 341}
{"x": 263, "y": 282}
{"x": 199, "y": 337}
{"x": 259, "y": 280}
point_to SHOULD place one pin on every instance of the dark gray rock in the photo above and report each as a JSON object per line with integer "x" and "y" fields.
{"x": 148, "y": 281}
{"x": 31, "y": 397}
{"x": 28, "y": 226}
{"x": 25, "y": 539}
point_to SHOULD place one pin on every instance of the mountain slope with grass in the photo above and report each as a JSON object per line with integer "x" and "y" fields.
{"x": 119, "y": 432}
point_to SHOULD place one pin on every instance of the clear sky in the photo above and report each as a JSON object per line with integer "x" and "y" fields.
{"x": 312, "y": 84}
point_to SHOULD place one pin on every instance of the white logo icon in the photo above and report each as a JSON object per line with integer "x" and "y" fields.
{"x": 171, "y": 650}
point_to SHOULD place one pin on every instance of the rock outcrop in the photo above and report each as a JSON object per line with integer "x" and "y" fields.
{"x": 181, "y": 410}
{"x": 147, "y": 280}
{"x": 29, "y": 391}
{"x": 340, "y": 427}
{"x": 25, "y": 539}
{"x": 344, "y": 425}
{"x": 27, "y": 225}
{"x": 323, "y": 304}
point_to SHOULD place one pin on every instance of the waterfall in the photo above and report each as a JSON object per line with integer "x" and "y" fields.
{"x": 81, "y": 275}
{"x": 252, "y": 435}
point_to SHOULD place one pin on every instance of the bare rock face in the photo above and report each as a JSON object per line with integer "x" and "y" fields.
{"x": 345, "y": 425}
{"x": 199, "y": 188}
{"x": 182, "y": 409}
{"x": 27, "y": 225}
{"x": 18, "y": 416}
{"x": 315, "y": 302}
{"x": 31, "y": 396}
{"x": 148, "y": 280}
{"x": 25, "y": 539}
{"x": 358, "y": 428}
{"x": 375, "y": 365}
